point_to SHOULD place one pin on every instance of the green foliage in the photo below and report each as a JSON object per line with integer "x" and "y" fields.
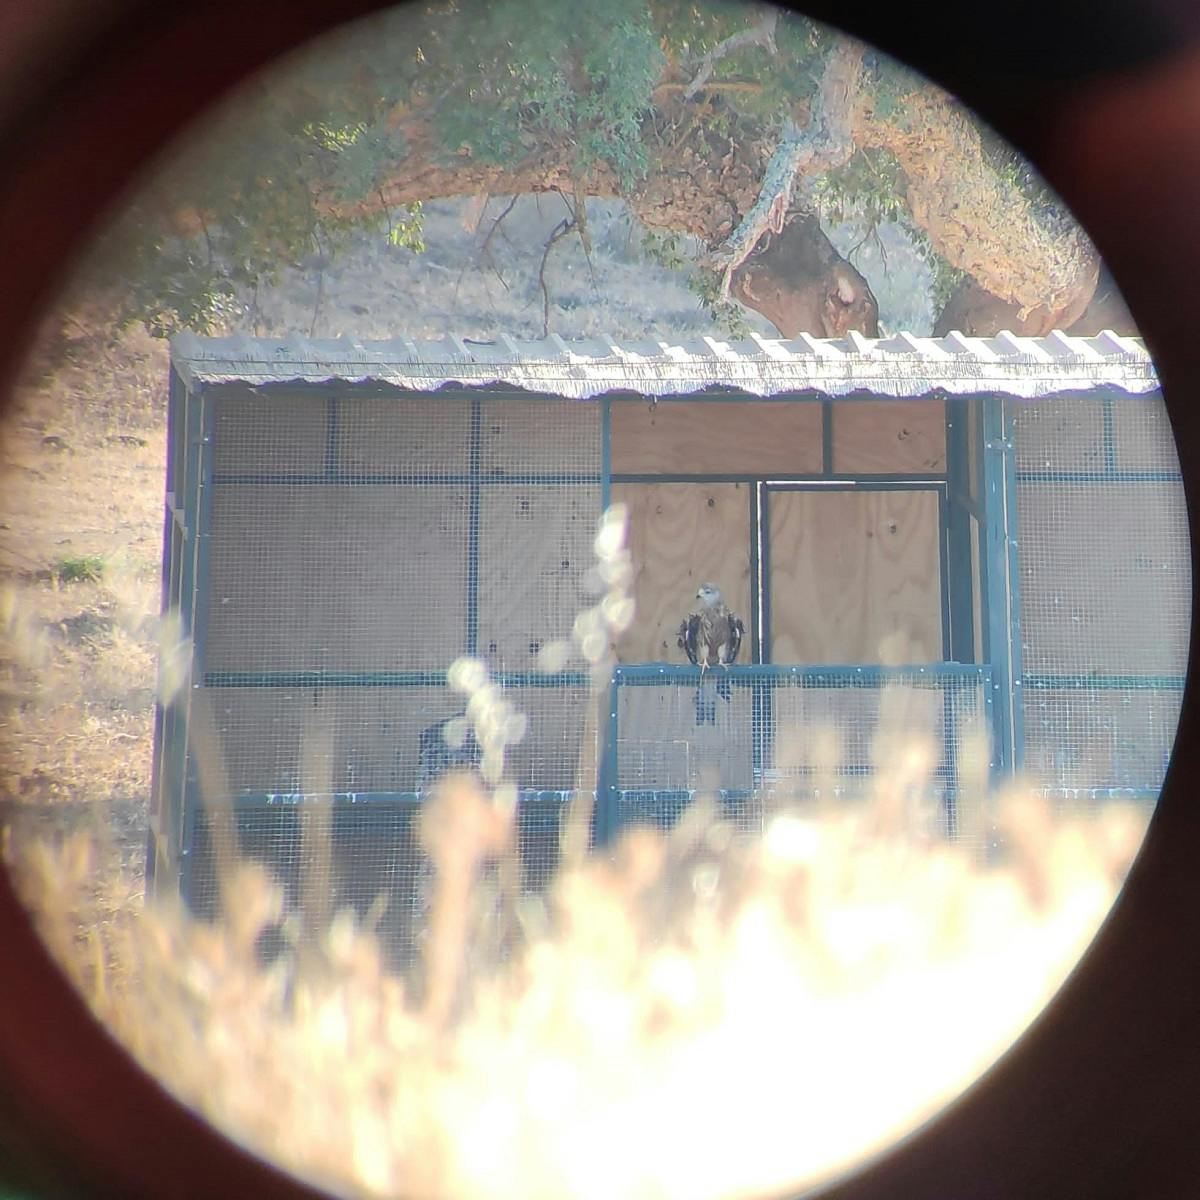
{"x": 536, "y": 70}
{"x": 81, "y": 568}
{"x": 869, "y": 190}
{"x": 297, "y": 164}
{"x": 663, "y": 248}
{"x": 869, "y": 187}
{"x": 726, "y": 313}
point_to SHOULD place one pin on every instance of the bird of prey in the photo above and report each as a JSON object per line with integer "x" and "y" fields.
{"x": 437, "y": 755}
{"x": 711, "y": 636}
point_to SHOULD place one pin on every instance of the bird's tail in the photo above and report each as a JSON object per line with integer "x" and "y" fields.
{"x": 706, "y": 703}
{"x": 724, "y": 687}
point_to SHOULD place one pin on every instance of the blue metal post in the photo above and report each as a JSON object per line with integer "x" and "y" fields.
{"x": 1012, "y": 525}
{"x": 194, "y": 605}
{"x": 605, "y": 453}
{"x": 607, "y": 818}
{"x": 959, "y": 582}
{"x": 1002, "y": 627}
{"x": 476, "y": 458}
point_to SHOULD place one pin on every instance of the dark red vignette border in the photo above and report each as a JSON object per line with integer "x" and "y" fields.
{"x": 1102, "y": 1097}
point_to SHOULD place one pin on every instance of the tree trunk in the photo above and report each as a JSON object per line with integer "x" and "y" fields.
{"x": 979, "y": 313}
{"x": 801, "y": 284}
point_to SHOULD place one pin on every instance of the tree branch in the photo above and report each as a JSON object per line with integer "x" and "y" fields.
{"x": 826, "y": 143}
{"x": 560, "y": 231}
{"x": 761, "y": 34}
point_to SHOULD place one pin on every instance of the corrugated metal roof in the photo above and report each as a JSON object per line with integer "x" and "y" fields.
{"x": 901, "y": 366}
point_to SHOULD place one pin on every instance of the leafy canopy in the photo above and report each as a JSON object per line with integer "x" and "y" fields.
{"x": 300, "y": 160}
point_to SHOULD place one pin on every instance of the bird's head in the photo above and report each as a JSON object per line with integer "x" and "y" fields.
{"x": 709, "y": 594}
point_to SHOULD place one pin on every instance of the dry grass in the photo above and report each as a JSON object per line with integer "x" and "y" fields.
{"x": 696, "y": 1016}
{"x": 81, "y": 492}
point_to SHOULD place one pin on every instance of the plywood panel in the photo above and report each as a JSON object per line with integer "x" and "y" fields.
{"x": 693, "y": 437}
{"x": 850, "y": 569}
{"x": 1105, "y": 578}
{"x": 404, "y": 436}
{"x": 535, "y": 545}
{"x": 546, "y": 436}
{"x": 1142, "y": 435}
{"x": 1059, "y": 435}
{"x": 660, "y": 745}
{"x": 889, "y": 437}
{"x": 682, "y": 535}
{"x": 345, "y": 578}
{"x": 254, "y": 434}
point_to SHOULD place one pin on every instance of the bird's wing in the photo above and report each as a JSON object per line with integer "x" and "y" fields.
{"x": 733, "y": 642}
{"x": 689, "y": 632}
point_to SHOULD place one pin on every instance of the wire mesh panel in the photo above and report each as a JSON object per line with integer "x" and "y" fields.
{"x": 766, "y": 736}
{"x": 352, "y": 546}
{"x": 370, "y": 862}
{"x": 1105, "y": 591}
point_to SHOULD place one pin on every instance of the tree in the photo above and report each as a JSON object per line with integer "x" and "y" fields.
{"x": 742, "y": 126}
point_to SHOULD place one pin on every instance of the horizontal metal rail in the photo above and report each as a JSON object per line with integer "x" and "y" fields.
{"x": 833, "y": 675}
{"x": 413, "y": 479}
{"x": 1103, "y": 476}
{"x": 385, "y": 679}
{"x": 1106, "y": 683}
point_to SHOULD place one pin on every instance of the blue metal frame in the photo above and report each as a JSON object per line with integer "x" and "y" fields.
{"x": 1103, "y": 683}
{"x": 761, "y": 679}
{"x": 960, "y": 580}
{"x": 475, "y": 461}
{"x": 1114, "y": 476}
{"x": 198, "y": 502}
{"x": 865, "y": 675}
{"x": 1002, "y": 613}
{"x": 605, "y": 453}
{"x": 303, "y": 680}
{"x": 400, "y": 479}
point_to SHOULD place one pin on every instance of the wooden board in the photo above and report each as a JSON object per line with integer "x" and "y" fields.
{"x": 660, "y": 746}
{"x": 404, "y": 436}
{"x": 680, "y": 536}
{"x": 544, "y": 436}
{"x": 1105, "y": 579}
{"x": 1142, "y": 435}
{"x": 273, "y": 434}
{"x": 1059, "y": 435}
{"x": 698, "y": 437}
{"x": 889, "y": 437}
{"x": 346, "y": 578}
{"x": 535, "y": 545}
{"x": 849, "y": 569}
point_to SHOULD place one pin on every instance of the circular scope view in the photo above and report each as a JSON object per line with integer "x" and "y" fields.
{"x": 668, "y": 620}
